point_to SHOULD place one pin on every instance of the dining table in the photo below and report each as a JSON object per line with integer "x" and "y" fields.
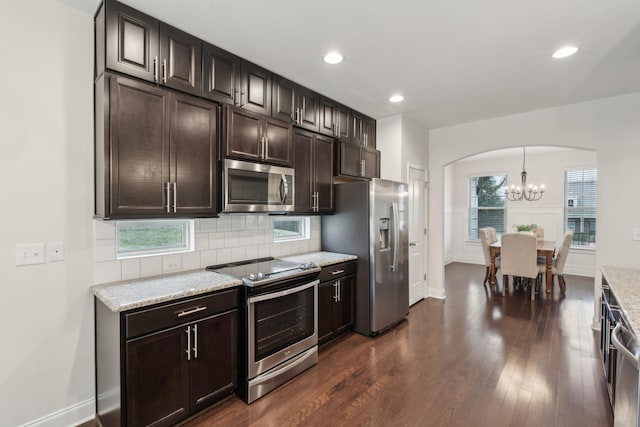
{"x": 546, "y": 248}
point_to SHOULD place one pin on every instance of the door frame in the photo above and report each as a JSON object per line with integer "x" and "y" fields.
{"x": 425, "y": 240}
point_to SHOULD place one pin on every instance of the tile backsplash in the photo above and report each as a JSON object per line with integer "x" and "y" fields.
{"x": 217, "y": 240}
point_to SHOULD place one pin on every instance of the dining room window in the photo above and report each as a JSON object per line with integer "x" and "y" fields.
{"x": 487, "y": 206}
{"x": 580, "y": 207}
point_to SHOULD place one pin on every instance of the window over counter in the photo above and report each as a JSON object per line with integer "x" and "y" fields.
{"x": 487, "y": 207}
{"x": 581, "y": 202}
{"x": 154, "y": 237}
{"x": 291, "y": 228}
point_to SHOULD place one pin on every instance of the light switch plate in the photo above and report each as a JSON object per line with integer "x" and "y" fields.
{"x": 29, "y": 254}
{"x": 55, "y": 251}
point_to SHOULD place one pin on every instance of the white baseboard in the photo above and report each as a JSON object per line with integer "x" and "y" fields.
{"x": 73, "y": 415}
{"x": 438, "y": 293}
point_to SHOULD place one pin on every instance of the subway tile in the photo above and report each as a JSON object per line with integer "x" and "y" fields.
{"x": 105, "y": 250}
{"x": 109, "y": 271}
{"x": 276, "y": 250}
{"x": 252, "y": 222}
{"x": 130, "y": 268}
{"x": 216, "y": 240}
{"x": 257, "y": 237}
{"x": 202, "y": 241}
{"x": 206, "y": 225}
{"x": 223, "y": 223}
{"x": 264, "y": 251}
{"x": 224, "y": 255}
{"x": 315, "y": 233}
{"x": 265, "y": 222}
{"x": 191, "y": 261}
{"x": 150, "y": 266}
{"x": 251, "y": 252}
{"x": 245, "y": 238}
{"x": 238, "y": 254}
{"x": 230, "y": 239}
{"x": 209, "y": 257}
{"x": 171, "y": 263}
{"x": 238, "y": 222}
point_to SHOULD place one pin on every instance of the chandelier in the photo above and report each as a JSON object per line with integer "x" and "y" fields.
{"x": 525, "y": 192}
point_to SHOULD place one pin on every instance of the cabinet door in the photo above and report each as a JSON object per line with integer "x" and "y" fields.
{"x": 349, "y": 159}
{"x": 326, "y": 308}
{"x": 181, "y": 60}
{"x": 369, "y": 132}
{"x": 279, "y": 142}
{"x": 193, "y": 155}
{"x": 357, "y": 128}
{"x": 132, "y": 42}
{"x": 139, "y": 134}
{"x": 214, "y": 359}
{"x": 303, "y": 164}
{"x": 221, "y": 75}
{"x": 327, "y": 120}
{"x": 343, "y": 123}
{"x": 323, "y": 172}
{"x": 309, "y": 106}
{"x": 255, "y": 91}
{"x": 344, "y": 307}
{"x": 371, "y": 158}
{"x": 157, "y": 378}
{"x": 283, "y": 99}
{"x": 243, "y": 134}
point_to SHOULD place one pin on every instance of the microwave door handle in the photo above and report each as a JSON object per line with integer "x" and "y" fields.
{"x": 284, "y": 189}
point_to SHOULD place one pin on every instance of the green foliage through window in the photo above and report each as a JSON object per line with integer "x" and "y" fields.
{"x": 141, "y": 238}
{"x": 487, "y": 205}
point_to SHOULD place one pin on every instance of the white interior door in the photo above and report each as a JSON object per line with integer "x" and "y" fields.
{"x": 417, "y": 232}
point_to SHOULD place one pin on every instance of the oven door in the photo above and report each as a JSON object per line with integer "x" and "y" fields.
{"x": 282, "y": 324}
{"x": 255, "y": 187}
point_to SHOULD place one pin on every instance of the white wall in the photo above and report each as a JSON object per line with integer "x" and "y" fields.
{"x": 610, "y": 126}
{"x": 548, "y": 212}
{"x": 46, "y": 129}
{"x": 401, "y": 142}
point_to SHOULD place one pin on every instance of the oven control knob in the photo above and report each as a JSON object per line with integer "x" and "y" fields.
{"x": 260, "y": 276}
{"x": 252, "y": 277}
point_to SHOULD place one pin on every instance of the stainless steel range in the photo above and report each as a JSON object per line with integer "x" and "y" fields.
{"x": 280, "y": 322}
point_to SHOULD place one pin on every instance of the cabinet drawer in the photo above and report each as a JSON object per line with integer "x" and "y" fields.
{"x": 167, "y": 315}
{"x": 334, "y": 271}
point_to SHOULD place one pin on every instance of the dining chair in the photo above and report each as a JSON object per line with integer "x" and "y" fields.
{"x": 519, "y": 259}
{"x": 488, "y": 236}
{"x": 559, "y": 260}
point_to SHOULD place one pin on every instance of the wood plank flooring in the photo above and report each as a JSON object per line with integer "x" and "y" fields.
{"x": 476, "y": 358}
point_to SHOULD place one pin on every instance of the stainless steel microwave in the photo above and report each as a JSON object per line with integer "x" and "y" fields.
{"x": 256, "y": 187}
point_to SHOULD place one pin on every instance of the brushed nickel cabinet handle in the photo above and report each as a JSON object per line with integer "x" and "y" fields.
{"x": 195, "y": 341}
{"x": 333, "y": 273}
{"x": 155, "y": 69}
{"x": 175, "y": 196}
{"x": 188, "y": 350}
{"x": 164, "y": 70}
{"x": 192, "y": 311}
{"x": 167, "y": 187}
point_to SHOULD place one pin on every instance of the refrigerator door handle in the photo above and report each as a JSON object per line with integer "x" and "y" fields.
{"x": 396, "y": 237}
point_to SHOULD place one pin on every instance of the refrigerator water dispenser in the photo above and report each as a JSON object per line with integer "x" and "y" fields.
{"x": 383, "y": 232}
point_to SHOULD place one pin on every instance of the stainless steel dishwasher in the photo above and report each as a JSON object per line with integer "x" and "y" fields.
{"x": 625, "y": 408}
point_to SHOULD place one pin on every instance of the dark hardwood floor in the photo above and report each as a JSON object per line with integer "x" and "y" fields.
{"x": 476, "y": 358}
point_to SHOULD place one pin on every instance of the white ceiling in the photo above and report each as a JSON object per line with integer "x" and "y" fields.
{"x": 455, "y": 61}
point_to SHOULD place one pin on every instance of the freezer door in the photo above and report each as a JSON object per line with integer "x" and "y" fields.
{"x": 389, "y": 253}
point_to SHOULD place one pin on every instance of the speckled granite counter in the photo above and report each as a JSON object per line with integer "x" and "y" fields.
{"x": 321, "y": 258}
{"x": 625, "y": 285}
{"x": 126, "y": 295}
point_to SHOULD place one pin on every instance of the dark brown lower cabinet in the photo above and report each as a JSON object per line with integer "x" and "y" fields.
{"x": 335, "y": 300}
{"x": 173, "y": 360}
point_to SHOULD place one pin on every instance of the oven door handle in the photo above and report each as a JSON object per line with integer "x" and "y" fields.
{"x": 283, "y": 293}
{"x": 289, "y": 364}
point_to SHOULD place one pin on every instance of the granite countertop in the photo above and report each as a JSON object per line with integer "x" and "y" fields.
{"x": 127, "y": 295}
{"x": 625, "y": 285}
{"x": 321, "y": 258}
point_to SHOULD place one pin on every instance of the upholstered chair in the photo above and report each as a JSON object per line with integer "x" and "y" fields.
{"x": 559, "y": 260}
{"x": 488, "y": 236}
{"x": 519, "y": 258}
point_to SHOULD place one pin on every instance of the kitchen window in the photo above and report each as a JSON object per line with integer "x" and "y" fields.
{"x": 287, "y": 229}
{"x": 487, "y": 207}
{"x": 580, "y": 208}
{"x": 153, "y": 237}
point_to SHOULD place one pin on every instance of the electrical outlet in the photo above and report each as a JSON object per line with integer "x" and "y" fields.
{"x": 55, "y": 251}
{"x": 29, "y": 254}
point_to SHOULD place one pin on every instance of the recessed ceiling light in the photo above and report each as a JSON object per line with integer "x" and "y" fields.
{"x": 564, "y": 51}
{"x": 396, "y": 98}
{"x": 333, "y": 58}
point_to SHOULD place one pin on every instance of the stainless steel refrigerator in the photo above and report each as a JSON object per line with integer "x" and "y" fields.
{"x": 371, "y": 221}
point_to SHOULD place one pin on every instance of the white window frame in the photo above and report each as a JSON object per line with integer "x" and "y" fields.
{"x": 305, "y": 227}
{"x": 186, "y": 245}
{"x": 566, "y": 204}
{"x": 469, "y": 207}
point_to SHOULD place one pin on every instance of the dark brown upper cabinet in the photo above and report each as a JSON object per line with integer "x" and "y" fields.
{"x": 155, "y": 151}
{"x": 250, "y": 136}
{"x": 295, "y": 103}
{"x": 314, "y": 172}
{"x": 133, "y": 43}
{"x": 357, "y": 161}
{"x": 334, "y": 119}
{"x": 363, "y": 130}
{"x": 221, "y": 75}
{"x": 255, "y": 88}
